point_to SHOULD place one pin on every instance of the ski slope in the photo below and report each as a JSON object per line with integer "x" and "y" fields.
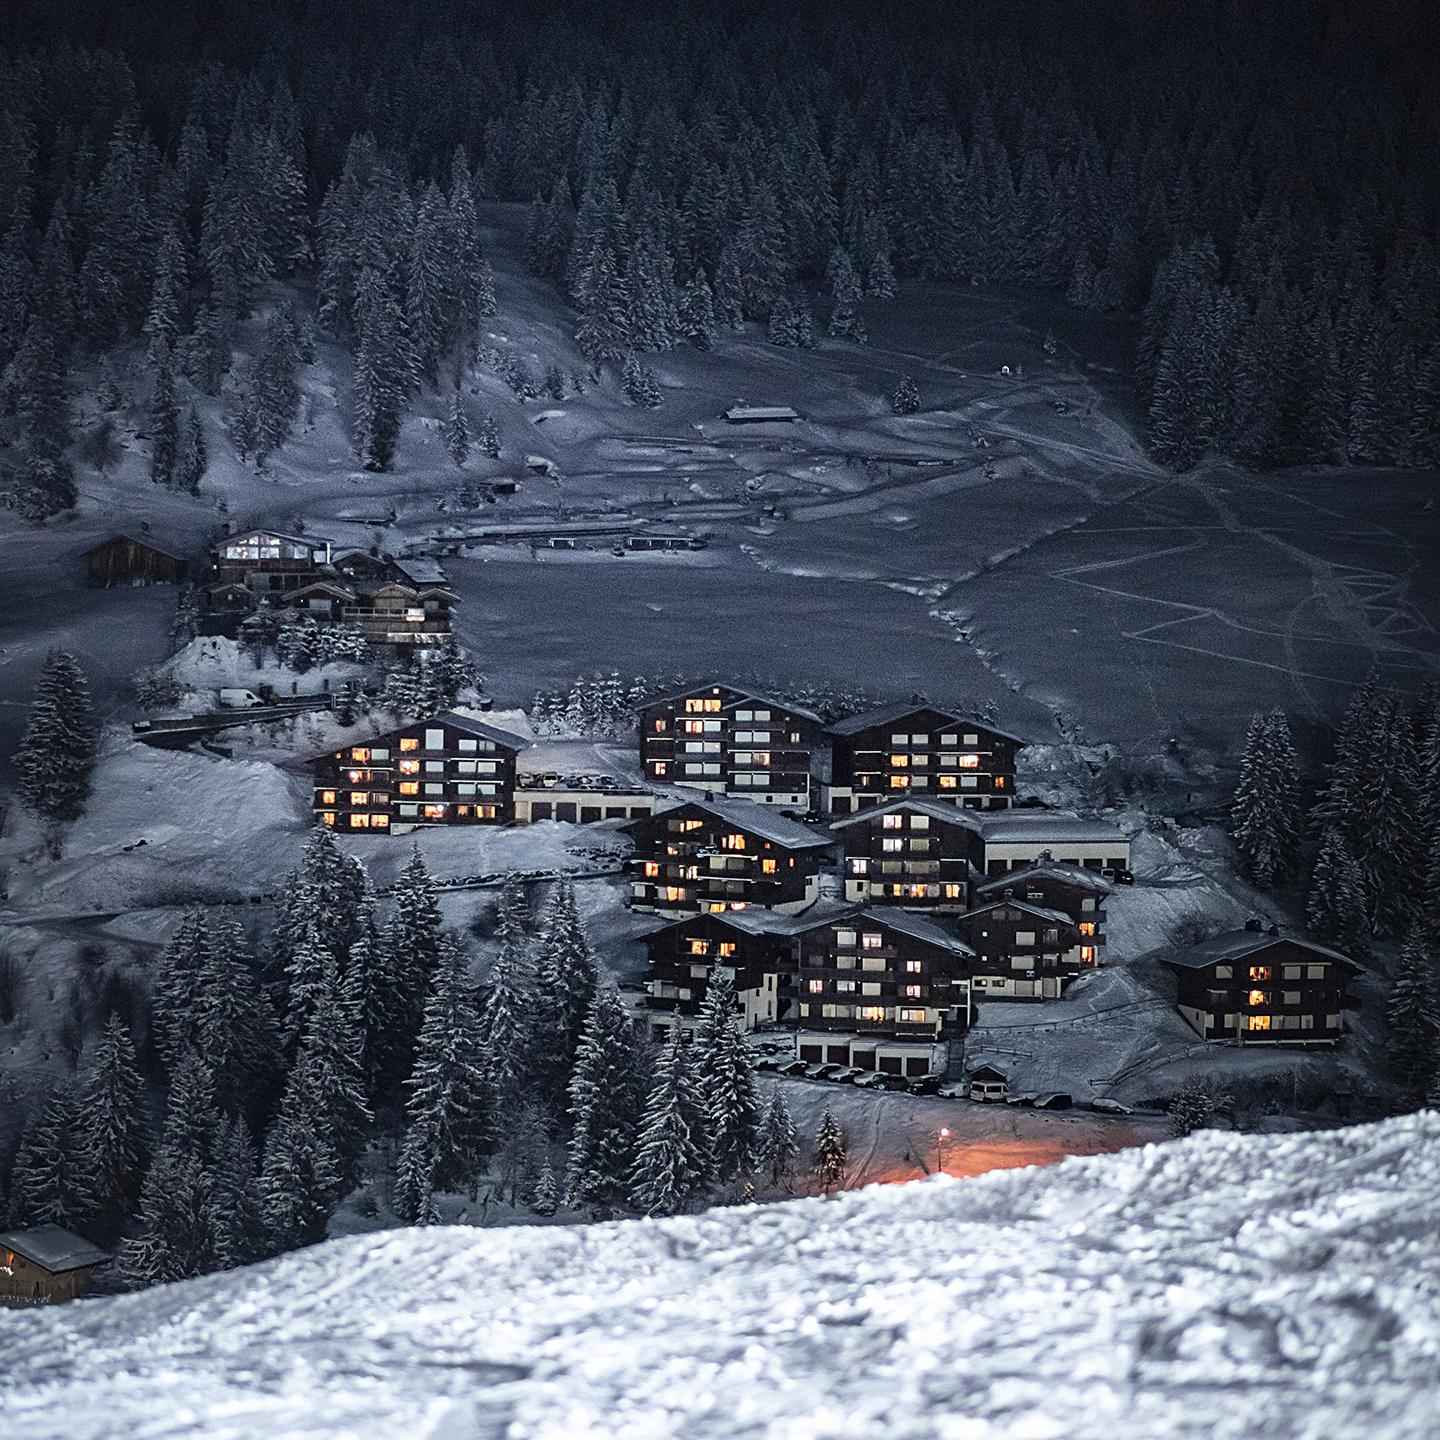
{"x": 1225, "y": 1287}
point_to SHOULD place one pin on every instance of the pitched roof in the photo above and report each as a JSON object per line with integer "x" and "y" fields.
{"x": 479, "y": 728}
{"x": 742, "y": 692}
{"x": 422, "y": 570}
{"x": 134, "y": 540}
{"x": 887, "y": 714}
{"x": 1239, "y": 945}
{"x": 1056, "y": 917}
{"x": 312, "y": 542}
{"x": 753, "y": 920}
{"x": 761, "y": 820}
{"x": 989, "y": 1072}
{"x": 1049, "y": 869}
{"x": 53, "y": 1248}
{"x": 1032, "y": 826}
{"x": 918, "y": 927}
{"x": 946, "y": 811}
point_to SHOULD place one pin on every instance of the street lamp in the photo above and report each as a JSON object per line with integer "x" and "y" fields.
{"x": 940, "y": 1139}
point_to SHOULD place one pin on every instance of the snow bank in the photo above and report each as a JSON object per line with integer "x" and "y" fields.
{"x": 1220, "y": 1288}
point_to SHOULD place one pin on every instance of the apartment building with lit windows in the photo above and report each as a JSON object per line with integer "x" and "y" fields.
{"x": 878, "y": 975}
{"x": 1257, "y": 986}
{"x": 917, "y": 853}
{"x": 724, "y": 854}
{"x": 918, "y": 750}
{"x": 447, "y": 770}
{"x": 1022, "y": 951}
{"x": 1074, "y": 890}
{"x": 726, "y": 740}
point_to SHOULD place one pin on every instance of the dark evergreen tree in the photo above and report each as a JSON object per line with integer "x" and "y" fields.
{"x": 641, "y": 386}
{"x": 413, "y": 951}
{"x": 607, "y": 1093}
{"x": 831, "y": 1155}
{"x": 164, "y": 421}
{"x": 233, "y": 1213}
{"x": 671, "y": 1162}
{"x": 35, "y": 385}
{"x": 457, "y": 432}
{"x": 384, "y": 369}
{"x": 194, "y": 456}
{"x": 1410, "y": 1023}
{"x": 906, "y": 399}
{"x": 1335, "y": 908}
{"x": 52, "y": 1176}
{"x": 728, "y": 1099}
{"x": 113, "y": 1127}
{"x": 1265, "y": 816}
{"x": 57, "y": 752}
{"x": 565, "y": 981}
{"x": 490, "y": 438}
{"x": 779, "y": 1144}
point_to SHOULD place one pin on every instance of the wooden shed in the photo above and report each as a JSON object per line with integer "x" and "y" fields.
{"x": 124, "y": 560}
{"x": 45, "y": 1265}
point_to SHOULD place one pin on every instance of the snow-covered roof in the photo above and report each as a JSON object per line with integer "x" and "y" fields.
{"x": 946, "y": 811}
{"x": 743, "y": 697}
{"x": 761, "y": 412}
{"x": 1034, "y": 826}
{"x": 1044, "y": 869}
{"x": 478, "y": 728}
{"x": 900, "y": 710}
{"x": 313, "y": 542}
{"x": 422, "y": 571}
{"x": 141, "y": 540}
{"x": 905, "y": 922}
{"x": 761, "y": 820}
{"x": 53, "y": 1248}
{"x": 1239, "y": 945}
{"x": 753, "y": 920}
{"x": 1041, "y": 912}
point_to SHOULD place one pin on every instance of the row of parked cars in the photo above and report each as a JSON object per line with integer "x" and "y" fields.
{"x": 862, "y": 1079}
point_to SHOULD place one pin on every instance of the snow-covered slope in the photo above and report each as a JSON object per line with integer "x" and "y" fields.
{"x": 1225, "y": 1287}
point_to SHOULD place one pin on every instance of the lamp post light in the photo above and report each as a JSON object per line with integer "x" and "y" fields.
{"x": 940, "y": 1139}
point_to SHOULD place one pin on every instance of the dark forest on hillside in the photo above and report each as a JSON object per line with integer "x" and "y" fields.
{"x": 1259, "y": 184}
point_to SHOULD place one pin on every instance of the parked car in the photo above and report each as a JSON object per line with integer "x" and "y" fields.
{"x": 923, "y": 1084}
{"x": 765, "y": 1062}
{"x": 795, "y": 1067}
{"x": 873, "y": 1081}
{"x": 827, "y": 1071}
{"x": 850, "y": 1075}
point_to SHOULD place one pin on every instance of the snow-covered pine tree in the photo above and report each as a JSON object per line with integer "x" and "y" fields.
{"x": 113, "y": 1127}
{"x": 565, "y": 980}
{"x": 671, "y": 1158}
{"x": 50, "y": 1183}
{"x": 906, "y": 399}
{"x": 831, "y": 1155}
{"x": 507, "y": 1005}
{"x": 607, "y": 1093}
{"x": 603, "y": 332}
{"x": 233, "y": 1213}
{"x": 384, "y": 368}
{"x": 555, "y": 382}
{"x": 1191, "y": 1108}
{"x": 169, "y": 280}
{"x": 57, "y": 752}
{"x": 780, "y": 329}
{"x": 779, "y": 1143}
{"x": 448, "y": 1111}
{"x": 545, "y": 1193}
{"x": 641, "y": 387}
{"x": 844, "y": 287}
{"x": 1411, "y": 1052}
{"x": 321, "y": 908}
{"x": 1335, "y": 906}
{"x": 413, "y": 948}
{"x": 880, "y": 278}
{"x": 727, "y": 1083}
{"x": 431, "y": 282}
{"x": 232, "y": 1021}
{"x": 300, "y": 1181}
{"x": 490, "y": 438}
{"x": 36, "y": 381}
{"x": 697, "y": 313}
{"x": 276, "y": 384}
{"x": 164, "y": 421}
{"x": 1265, "y": 815}
{"x": 194, "y": 456}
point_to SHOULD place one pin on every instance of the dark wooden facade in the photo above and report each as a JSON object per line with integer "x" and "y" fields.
{"x": 1258, "y": 987}
{"x": 719, "y": 855}
{"x": 46, "y": 1265}
{"x": 448, "y": 770}
{"x": 1022, "y": 951}
{"x": 124, "y": 560}
{"x": 753, "y": 946}
{"x": 918, "y": 750}
{"x": 886, "y": 974}
{"x": 722, "y": 739}
{"x": 919, "y": 854}
{"x": 1077, "y": 892}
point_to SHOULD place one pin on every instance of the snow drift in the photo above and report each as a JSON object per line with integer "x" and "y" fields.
{"x": 1222, "y": 1287}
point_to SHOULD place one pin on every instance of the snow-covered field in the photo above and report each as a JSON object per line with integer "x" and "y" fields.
{"x": 1220, "y": 1288}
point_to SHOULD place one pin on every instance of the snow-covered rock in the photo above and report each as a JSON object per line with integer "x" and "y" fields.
{"x": 1224, "y": 1287}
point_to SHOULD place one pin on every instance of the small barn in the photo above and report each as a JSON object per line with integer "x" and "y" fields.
{"x": 760, "y": 415}
{"x": 45, "y": 1265}
{"x": 989, "y": 1084}
{"x": 124, "y": 560}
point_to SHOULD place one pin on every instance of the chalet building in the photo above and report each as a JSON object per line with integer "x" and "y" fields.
{"x": 124, "y": 560}
{"x": 1021, "y": 951}
{"x": 1072, "y": 889}
{"x": 880, "y": 973}
{"x": 270, "y": 562}
{"x": 1022, "y": 837}
{"x": 918, "y": 750}
{"x": 752, "y": 946}
{"x": 916, "y": 853}
{"x": 448, "y": 770}
{"x": 722, "y": 739}
{"x": 1259, "y": 987}
{"x": 45, "y": 1266}
{"x": 716, "y": 855}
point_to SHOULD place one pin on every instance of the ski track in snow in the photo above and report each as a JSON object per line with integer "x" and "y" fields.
{"x": 1221, "y": 1288}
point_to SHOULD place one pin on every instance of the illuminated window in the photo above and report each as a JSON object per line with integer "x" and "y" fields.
{"x": 726, "y": 949}
{"x": 899, "y": 782}
{"x": 968, "y": 762}
{"x": 1087, "y": 928}
{"x": 435, "y": 812}
{"x": 327, "y": 797}
{"x": 409, "y": 767}
{"x": 910, "y": 992}
{"x": 871, "y": 940}
{"x": 1087, "y": 954}
{"x": 652, "y": 868}
{"x": 952, "y": 891}
{"x": 414, "y": 615}
{"x": 815, "y": 987}
{"x": 892, "y": 822}
{"x": 871, "y": 1012}
{"x": 409, "y": 743}
{"x": 359, "y": 822}
{"x": 409, "y": 787}
{"x": 947, "y": 782}
{"x": 999, "y": 782}
{"x": 913, "y": 967}
{"x": 732, "y": 842}
{"x": 891, "y": 844}
{"x": 662, "y": 767}
{"x": 1257, "y": 1022}
{"x": 769, "y": 867}
{"x": 359, "y": 797}
{"x": 699, "y": 947}
{"x": 702, "y": 707}
{"x": 688, "y": 825}
{"x": 380, "y": 822}
{"x": 1258, "y": 997}
{"x": 899, "y": 762}
{"x": 660, "y": 722}
{"x": 1260, "y": 972}
{"x": 912, "y": 1017}
{"x": 328, "y": 817}
{"x": 674, "y": 892}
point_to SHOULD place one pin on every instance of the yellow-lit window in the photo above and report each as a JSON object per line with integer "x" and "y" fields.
{"x": 699, "y": 947}
{"x": 815, "y": 987}
{"x": 911, "y": 992}
{"x": 380, "y": 822}
{"x": 409, "y": 787}
{"x": 871, "y": 1012}
{"x": 410, "y": 742}
{"x": 359, "y": 822}
{"x": 660, "y": 722}
{"x": 1260, "y": 972}
{"x": 360, "y": 752}
{"x": 674, "y": 892}
{"x": 732, "y": 842}
{"x": 652, "y": 868}
{"x": 899, "y": 762}
{"x": 662, "y": 767}
{"x": 968, "y": 762}
{"x": 952, "y": 891}
{"x": 948, "y": 782}
{"x": 999, "y": 782}
{"x": 328, "y": 817}
{"x": 899, "y": 782}
{"x": 1087, "y": 954}
{"x": 462, "y": 809}
{"x": 1258, "y": 997}
{"x": 434, "y": 812}
{"x": 726, "y": 949}
{"x": 1087, "y": 928}
{"x": 769, "y": 867}
{"x": 872, "y": 940}
{"x": 687, "y": 825}
{"x": 1257, "y": 1022}
{"x": 715, "y": 907}
{"x": 897, "y": 890}
{"x": 359, "y": 797}
{"x": 327, "y": 797}
{"x": 409, "y": 767}
{"x": 892, "y": 822}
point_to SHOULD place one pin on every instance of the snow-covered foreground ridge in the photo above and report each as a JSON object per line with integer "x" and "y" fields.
{"x": 1222, "y": 1287}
